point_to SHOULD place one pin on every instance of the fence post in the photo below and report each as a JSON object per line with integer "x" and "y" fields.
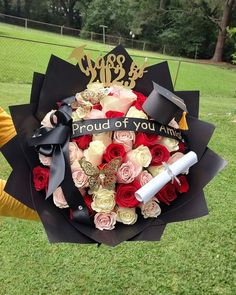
{"x": 119, "y": 40}
{"x": 91, "y": 36}
{"x": 62, "y": 30}
{"x": 26, "y": 23}
{"x": 177, "y": 73}
{"x": 144, "y": 44}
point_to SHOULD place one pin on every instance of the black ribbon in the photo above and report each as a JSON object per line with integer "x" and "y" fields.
{"x": 54, "y": 142}
{"x": 93, "y": 126}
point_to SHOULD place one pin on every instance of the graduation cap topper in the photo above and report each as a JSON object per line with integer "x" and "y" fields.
{"x": 163, "y": 105}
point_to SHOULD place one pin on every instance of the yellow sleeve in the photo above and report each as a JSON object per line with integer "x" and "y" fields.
{"x": 10, "y": 207}
{"x": 7, "y": 129}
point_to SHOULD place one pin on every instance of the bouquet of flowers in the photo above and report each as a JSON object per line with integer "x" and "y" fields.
{"x": 108, "y": 151}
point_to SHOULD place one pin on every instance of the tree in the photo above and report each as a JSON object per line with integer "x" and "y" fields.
{"x": 68, "y": 6}
{"x": 228, "y": 6}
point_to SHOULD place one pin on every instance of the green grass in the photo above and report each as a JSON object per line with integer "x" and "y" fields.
{"x": 194, "y": 257}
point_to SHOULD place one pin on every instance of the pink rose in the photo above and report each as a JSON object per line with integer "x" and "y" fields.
{"x": 144, "y": 177}
{"x": 46, "y": 161}
{"x": 105, "y": 221}
{"x": 96, "y": 114}
{"x": 151, "y": 208}
{"x": 126, "y": 138}
{"x": 59, "y": 198}
{"x": 75, "y": 153}
{"x": 46, "y": 122}
{"x": 120, "y": 100}
{"x": 127, "y": 172}
{"x": 80, "y": 178}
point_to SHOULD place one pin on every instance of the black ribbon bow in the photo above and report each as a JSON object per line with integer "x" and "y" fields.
{"x": 54, "y": 142}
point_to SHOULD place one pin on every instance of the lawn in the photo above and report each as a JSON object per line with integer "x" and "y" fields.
{"x": 193, "y": 257}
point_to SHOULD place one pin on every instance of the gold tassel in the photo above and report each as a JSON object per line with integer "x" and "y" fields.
{"x": 183, "y": 122}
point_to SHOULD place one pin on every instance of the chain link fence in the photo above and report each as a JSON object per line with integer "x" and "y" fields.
{"x": 63, "y": 30}
{"x": 19, "y": 58}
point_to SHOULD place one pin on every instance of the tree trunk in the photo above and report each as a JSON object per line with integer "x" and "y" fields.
{"x": 217, "y": 57}
{"x": 162, "y": 4}
{"x": 69, "y": 10}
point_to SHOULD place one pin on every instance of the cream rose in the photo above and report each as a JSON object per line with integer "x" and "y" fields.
{"x": 151, "y": 208}
{"x": 46, "y": 161}
{"x": 126, "y": 215}
{"x": 59, "y": 198}
{"x": 144, "y": 177}
{"x": 75, "y": 153}
{"x": 127, "y": 172}
{"x": 105, "y": 221}
{"x": 80, "y": 178}
{"x": 133, "y": 112}
{"x": 126, "y": 138}
{"x": 46, "y": 122}
{"x": 141, "y": 155}
{"x": 170, "y": 143}
{"x": 104, "y": 137}
{"x": 94, "y": 152}
{"x": 103, "y": 200}
{"x": 120, "y": 101}
{"x": 155, "y": 170}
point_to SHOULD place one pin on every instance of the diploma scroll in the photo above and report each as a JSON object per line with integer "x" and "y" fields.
{"x": 145, "y": 193}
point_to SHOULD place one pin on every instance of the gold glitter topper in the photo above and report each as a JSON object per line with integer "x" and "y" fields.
{"x": 104, "y": 69}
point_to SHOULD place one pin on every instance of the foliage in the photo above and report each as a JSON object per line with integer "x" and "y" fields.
{"x": 232, "y": 35}
{"x": 180, "y": 27}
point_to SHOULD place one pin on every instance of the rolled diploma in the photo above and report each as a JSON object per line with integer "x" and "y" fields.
{"x": 145, "y": 193}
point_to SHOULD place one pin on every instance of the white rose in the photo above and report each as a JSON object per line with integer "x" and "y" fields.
{"x": 155, "y": 170}
{"x": 94, "y": 152}
{"x": 133, "y": 112}
{"x": 151, "y": 208}
{"x": 103, "y": 200}
{"x": 59, "y": 198}
{"x": 141, "y": 156}
{"x": 104, "y": 137}
{"x": 126, "y": 215}
{"x": 170, "y": 143}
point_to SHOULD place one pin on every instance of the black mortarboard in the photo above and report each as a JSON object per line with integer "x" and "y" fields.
{"x": 163, "y": 105}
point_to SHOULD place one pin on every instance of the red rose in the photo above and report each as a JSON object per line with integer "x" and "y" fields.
{"x": 182, "y": 147}
{"x": 114, "y": 114}
{"x": 167, "y": 194}
{"x": 114, "y": 150}
{"x": 88, "y": 200}
{"x": 140, "y": 100}
{"x": 145, "y": 139}
{"x": 83, "y": 141}
{"x": 159, "y": 154}
{"x": 125, "y": 194}
{"x": 40, "y": 178}
{"x": 97, "y": 107}
{"x": 184, "y": 186}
